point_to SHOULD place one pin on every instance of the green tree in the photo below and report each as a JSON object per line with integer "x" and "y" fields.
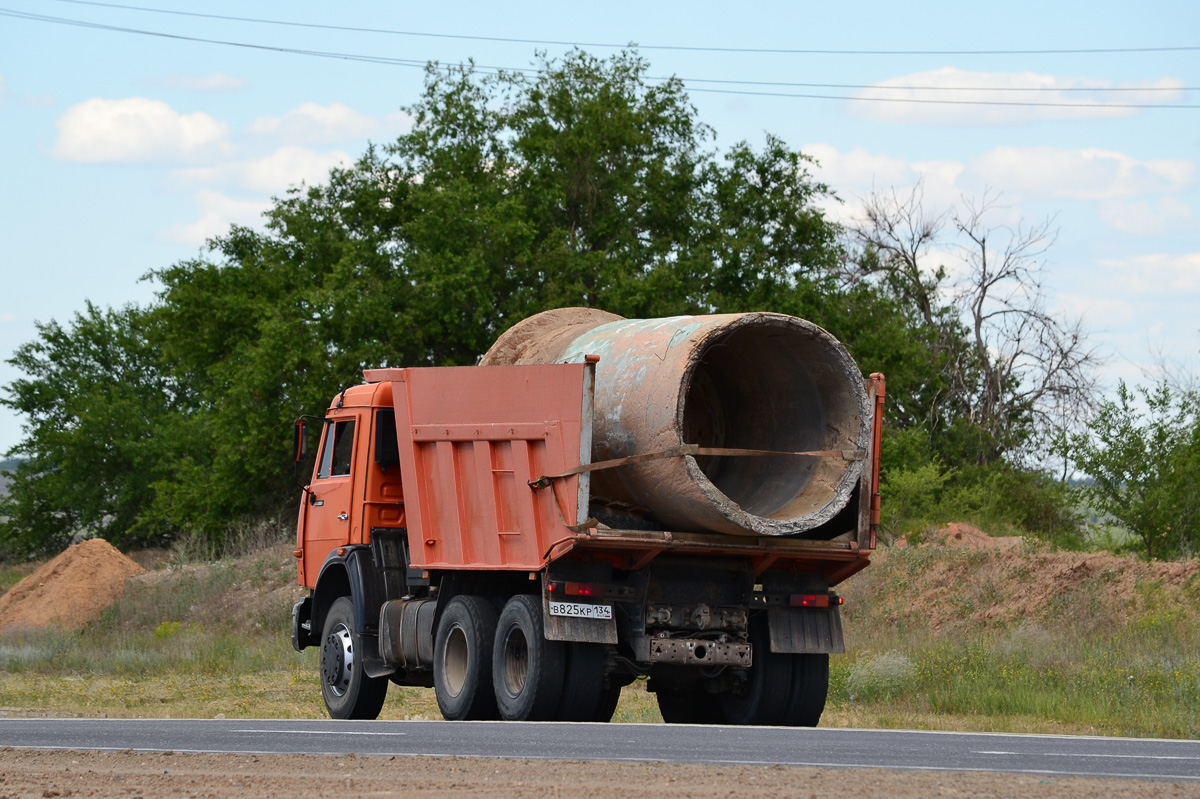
{"x": 93, "y": 399}
{"x": 583, "y": 184}
{"x": 1143, "y": 454}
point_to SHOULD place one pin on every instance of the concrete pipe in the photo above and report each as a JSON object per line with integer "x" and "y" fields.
{"x": 756, "y": 381}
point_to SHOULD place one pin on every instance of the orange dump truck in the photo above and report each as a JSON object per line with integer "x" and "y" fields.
{"x": 600, "y": 499}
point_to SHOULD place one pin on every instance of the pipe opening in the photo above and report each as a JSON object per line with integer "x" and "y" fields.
{"x": 772, "y": 385}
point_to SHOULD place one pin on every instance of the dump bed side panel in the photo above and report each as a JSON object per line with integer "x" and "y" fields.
{"x": 471, "y": 438}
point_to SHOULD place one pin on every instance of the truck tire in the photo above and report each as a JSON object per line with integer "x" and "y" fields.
{"x": 760, "y": 699}
{"x": 689, "y": 706}
{"x": 583, "y": 682}
{"x": 347, "y": 690}
{"x": 462, "y": 659}
{"x": 810, "y": 685}
{"x": 527, "y": 670}
{"x": 610, "y": 697}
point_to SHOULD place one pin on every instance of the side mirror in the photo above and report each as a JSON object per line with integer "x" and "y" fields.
{"x": 299, "y": 441}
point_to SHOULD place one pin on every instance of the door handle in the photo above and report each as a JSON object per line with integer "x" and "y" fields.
{"x": 343, "y": 516}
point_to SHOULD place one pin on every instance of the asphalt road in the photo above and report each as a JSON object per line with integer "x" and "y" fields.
{"x": 1050, "y": 755}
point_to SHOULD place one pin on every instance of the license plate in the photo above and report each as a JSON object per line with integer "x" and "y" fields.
{"x": 581, "y": 610}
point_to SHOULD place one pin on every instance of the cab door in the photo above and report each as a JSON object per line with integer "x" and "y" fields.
{"x": 330, "y": 494}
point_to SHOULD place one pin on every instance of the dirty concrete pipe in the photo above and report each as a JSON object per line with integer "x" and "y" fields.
{"x": 741, "y": 381}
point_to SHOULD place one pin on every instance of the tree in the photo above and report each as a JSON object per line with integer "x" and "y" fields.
{"x": 1143, "y": 453}
{"x": 583, "y": 184}
{"x": 93, "y": 399}
{"x": 1004, "y": 373}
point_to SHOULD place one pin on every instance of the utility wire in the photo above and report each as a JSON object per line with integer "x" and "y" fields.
{"x": 418, "y": 64}
{"x": 941, "y": 102}
{"x": 688, "y": 48}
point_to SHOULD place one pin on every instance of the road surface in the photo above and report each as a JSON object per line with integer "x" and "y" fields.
{"x": 1036, "y": 755}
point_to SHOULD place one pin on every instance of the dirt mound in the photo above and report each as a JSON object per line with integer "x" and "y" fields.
{"x": 972, "y": 581}
{"x": 963, "y": 536}
{"x": 70, "y": 590}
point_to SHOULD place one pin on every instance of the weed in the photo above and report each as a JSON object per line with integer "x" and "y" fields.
{"x": 881, "y": 677}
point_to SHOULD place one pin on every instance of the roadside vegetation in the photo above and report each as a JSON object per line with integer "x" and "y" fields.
{"x": 1020, "y": 639}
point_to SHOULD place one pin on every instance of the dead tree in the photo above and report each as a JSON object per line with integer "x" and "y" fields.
{"x": 1019, "y": 373}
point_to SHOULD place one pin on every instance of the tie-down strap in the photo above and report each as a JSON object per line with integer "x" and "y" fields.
{"x": 687, "y": 449}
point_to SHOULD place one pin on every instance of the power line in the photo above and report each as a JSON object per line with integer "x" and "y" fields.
{"x": 416, "y": 63}
{"x": 943, "y": 102}
{"x": 879, "y": 87}
{"x": 688, "y": 48}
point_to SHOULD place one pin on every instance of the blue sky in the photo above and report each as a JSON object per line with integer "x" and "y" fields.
{"x": 120, "y": 153}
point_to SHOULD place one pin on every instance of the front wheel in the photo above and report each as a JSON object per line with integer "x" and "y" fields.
{"x": 347, "y": 690}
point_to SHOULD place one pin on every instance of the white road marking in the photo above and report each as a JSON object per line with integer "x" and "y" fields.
{"x": 1090, "y": 754}
{"x": 326, "y": 732}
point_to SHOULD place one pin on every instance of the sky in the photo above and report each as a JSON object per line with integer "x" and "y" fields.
{"x": 121, "y": 152}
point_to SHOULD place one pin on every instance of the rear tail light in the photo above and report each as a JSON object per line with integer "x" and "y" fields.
{"x": 815, "y": 600}
{"x": 559, "y": 588}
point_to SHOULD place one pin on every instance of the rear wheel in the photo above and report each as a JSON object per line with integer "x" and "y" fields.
{"x": 810, "y": 685}
{"x": 763, "y": 697}
{"x": 583, "y": 682}
{"x": 347, "y": 690}
{"x": 527, "y": 670}
{"x": 609, "y": 698}
{"x": 462, "y": 659}
{"x": 689, "y": 706}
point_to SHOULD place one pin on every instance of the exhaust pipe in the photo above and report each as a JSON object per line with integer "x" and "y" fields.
{"x": 754, "y": 381}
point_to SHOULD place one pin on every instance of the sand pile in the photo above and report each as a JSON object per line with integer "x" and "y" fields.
{"x": 70, "y": 590}
{"x": 958, "y": 535}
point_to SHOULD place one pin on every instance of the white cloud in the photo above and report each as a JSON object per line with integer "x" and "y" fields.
{"x": 37, "y": 100}
{"x": 218, "y": 212}
{"x": 1145, "y": 219}
{"x": 997, "y": 97}
{"x": 212, "y": 82}
{"x": 1095, "y": 311}
{"x": 1086, "y": 174}
{"x": 313, "y": 123}
{"x": 1159, "y": 273}
{"x": 136, "y": 129}
{"x": 7, "y": 318}
{"x": 856, "y": 173}
{"x": 271, "y": 174}
{"x": 396, "y": 123}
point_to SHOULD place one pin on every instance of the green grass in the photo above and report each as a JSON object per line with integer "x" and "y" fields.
{"x": 1088, "y": 686}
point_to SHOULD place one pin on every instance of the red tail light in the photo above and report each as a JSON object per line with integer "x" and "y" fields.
{"x": 815, "y": 600}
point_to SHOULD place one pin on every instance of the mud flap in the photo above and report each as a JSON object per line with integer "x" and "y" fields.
{"x": 806, "y": 630}
{"x": 576, "y": 628}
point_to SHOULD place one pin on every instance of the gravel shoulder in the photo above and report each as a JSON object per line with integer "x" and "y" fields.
{"x": 130, "y": 775}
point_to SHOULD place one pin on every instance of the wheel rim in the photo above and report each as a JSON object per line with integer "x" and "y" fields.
{"x": 454, "y": 660}
{"x": 516, "y": 660}
{"x": 337, "y": 660}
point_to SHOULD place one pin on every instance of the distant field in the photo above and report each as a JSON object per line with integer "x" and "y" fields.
{"x": 1014, "y": 639}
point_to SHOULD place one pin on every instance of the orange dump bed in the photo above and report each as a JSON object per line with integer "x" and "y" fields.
{"x": 471, "y": 439}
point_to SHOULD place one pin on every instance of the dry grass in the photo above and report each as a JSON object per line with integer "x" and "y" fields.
{"x": 1105, "y": 646}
